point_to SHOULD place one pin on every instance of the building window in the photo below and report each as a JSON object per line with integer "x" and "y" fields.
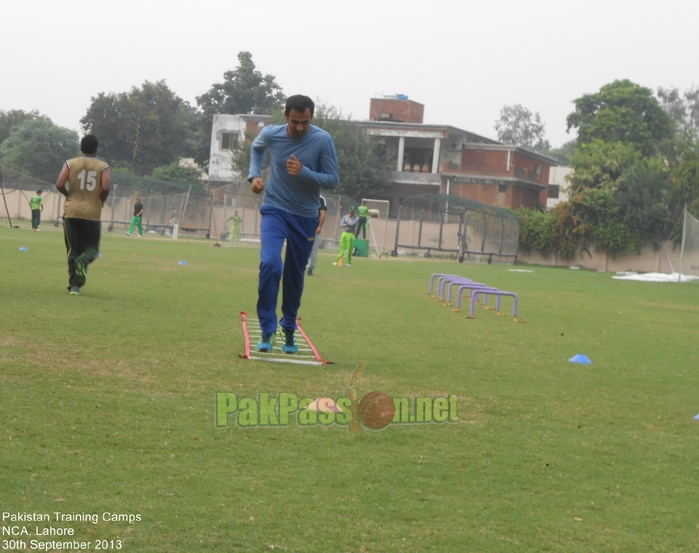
{"x": 229, "y": 141}
{"x": 554, "y": 191}
{"x": 502, "y": 188}
{"x": 418, "y": 160}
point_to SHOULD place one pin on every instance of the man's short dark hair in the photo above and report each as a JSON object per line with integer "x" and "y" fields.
{"x": 38, "y": 192}
{"x": 300, "y": 103}
{"x": 88, "y": 145}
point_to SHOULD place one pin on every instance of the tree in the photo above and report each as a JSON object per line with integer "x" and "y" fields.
{"x": 12, "y": 118}
{"x": 364, "y": 165}
{"x": 621, "y": 112}
{"x": 39, "y": 148}
{"x": 683, "y": 109}
{"x": 591, "y": 218}
{"x": 175, "y": 172}
{"x": 519, "y": 127}
{"x": 684, "y": 181}
{"x": 141, "y": 129}
{"x": 243, "y": 90}
{"x": 599, "y": 164}
{"x": 642, "y": 192}
{"x": 564, "y": 153}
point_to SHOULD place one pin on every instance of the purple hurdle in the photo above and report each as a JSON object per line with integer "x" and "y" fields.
{"x": 499, "y": 294}
{"x": 472, "y": 287}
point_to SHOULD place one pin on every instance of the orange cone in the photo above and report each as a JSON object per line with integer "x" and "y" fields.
{"x": 340, "y": 263}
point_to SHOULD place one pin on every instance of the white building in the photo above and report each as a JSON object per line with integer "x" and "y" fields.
{"x": 227, "y": 132}
{"x": 558, "y": 186}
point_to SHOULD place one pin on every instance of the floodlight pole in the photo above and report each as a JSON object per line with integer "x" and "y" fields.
{"x": 684, "y": 234}
{"x": 114, "y": 197}
{"x": 184, "y": 207}
{"x": 2, "y": 186}
{"x": 58, "y": 210}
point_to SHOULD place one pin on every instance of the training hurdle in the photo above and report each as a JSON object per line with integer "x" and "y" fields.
{"x": 438, "y": 275}
{"x": 444, "y": 280}
{"x": 473, "y": 288}
{"x": 499, "y": 294}
{"x": 458, "y": 283}
{"x": 442, "y": 284}
{"x": 442, "y": 288}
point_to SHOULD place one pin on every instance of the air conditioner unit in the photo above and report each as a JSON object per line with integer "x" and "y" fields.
{"x": 455, "y": 145}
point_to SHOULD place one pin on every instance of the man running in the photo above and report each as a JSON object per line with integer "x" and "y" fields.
{"x": 88, "y": 180}
{"x": 303, "y": 160}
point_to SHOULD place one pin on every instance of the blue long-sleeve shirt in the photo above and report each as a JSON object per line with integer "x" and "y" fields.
{"x": 296, "y": 194}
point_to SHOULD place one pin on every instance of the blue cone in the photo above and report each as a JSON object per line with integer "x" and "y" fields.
{"x": 23, "y": 249}
{"x": 580, "y": 358}
{"x": 697, "y": 417}
{"x": 182, "y": 263}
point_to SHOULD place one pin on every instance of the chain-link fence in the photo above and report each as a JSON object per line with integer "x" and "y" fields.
{"x": 430, "y": 223}
{"x": 165, "y": 203}
{"x": 19, "y": 188}
{"x": 238, "y": 196}
{"x": 689, "y": 257}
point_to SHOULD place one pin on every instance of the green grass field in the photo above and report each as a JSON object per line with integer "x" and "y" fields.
{"x": 107, "y": 404}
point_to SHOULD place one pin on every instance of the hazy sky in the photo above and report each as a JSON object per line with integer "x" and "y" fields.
{"x": 463, "y": 59}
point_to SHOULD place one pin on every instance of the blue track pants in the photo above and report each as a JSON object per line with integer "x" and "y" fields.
{"x": 299, "y": 232}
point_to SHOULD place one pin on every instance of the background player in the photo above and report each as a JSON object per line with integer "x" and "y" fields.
{"x": 235, "y": 227}
{"x": 137, "y": 219}
{"x": 322, "y": 210}
{"x": 348, "y": 225}
{"x": 363, "y": 212}
{"x": 37, "y": 206}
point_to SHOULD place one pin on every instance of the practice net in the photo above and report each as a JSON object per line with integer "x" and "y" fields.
{"x": 689, "y": 256}
{"x": 456, "y": 225}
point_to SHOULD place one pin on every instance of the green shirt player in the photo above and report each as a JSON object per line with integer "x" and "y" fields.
{"x": 37, "y": 206}
{"x": 235, "y": 227}
{"x": 137, "y": 219}
{"x": 363, "y": 212}
{"x": 87, "y": 180}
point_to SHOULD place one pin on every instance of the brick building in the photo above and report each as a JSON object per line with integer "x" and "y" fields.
{"x": 441, "y": 159}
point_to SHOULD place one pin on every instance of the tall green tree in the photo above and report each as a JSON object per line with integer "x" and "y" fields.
{"x": 14, "y": 117}
{"x": 364, "y": 164}
{"x": 175, "y": 172}
{"x": 621, "y": 112}
{"x": 684, "y": 181}
{"x": 564, "y": 153}
{"x": 682, "y": 152}
{"x": 243, "y": 90}
{"x": 142, "y": 129}
{"x": 643, "y": 195}
{"x": 683, "y": 109}
{"x": 520, "y": 127}
{"x": 600, "y": 164}
{"x": 38, "y": 148}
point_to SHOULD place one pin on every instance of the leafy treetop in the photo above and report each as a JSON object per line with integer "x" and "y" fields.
{"x": 621, "y": 112}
